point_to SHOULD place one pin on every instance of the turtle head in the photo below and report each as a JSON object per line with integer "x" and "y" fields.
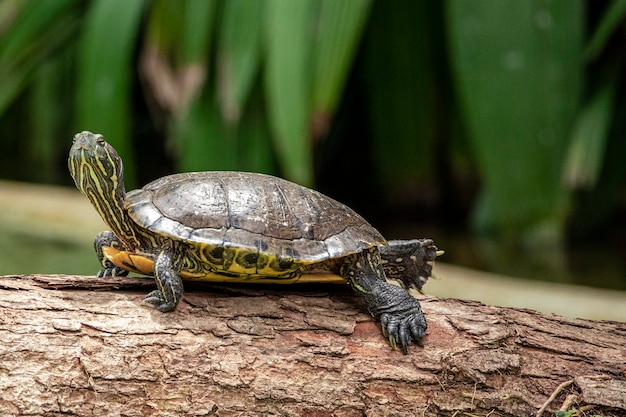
{"x": 96, "y": 167}
{"x": 98, "y": 173}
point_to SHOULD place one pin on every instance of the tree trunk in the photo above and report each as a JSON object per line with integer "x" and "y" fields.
{"x": 74, "y": 345}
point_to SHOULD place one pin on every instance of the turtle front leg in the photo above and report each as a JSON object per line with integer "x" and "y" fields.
{"x": 409, "y": 262}
{"x": 169, "y": 283}
{"x": 400, "y": 313}
{"x": 108, "y": 239}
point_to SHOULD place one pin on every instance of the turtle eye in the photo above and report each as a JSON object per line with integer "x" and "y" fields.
{"x": 100, "y": 140}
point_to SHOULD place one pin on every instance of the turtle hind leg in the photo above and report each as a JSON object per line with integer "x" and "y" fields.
{"x": 108, "y": 239}
{"x": 409, "y": 262}
{"x": 400, "y": 313}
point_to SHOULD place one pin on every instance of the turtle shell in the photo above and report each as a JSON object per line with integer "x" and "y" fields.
{"x": 252, "y": 214}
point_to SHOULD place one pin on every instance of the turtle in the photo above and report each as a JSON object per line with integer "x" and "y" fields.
{"x": 247, "y": 227}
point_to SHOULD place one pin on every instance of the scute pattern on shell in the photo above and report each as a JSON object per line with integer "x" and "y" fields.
{"x": 251, "y": 211}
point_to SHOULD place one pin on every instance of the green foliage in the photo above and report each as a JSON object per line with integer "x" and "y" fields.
{"x": 287, "y": 77}
{"x": 613, "y": 16}
{"x": 337, "y": 31}
{"x": 239, "y": 55}
{"x": 589, "y": 139}
{"x": 103, "y": 95}
{"x": 39, "y": 28}
{"x": 519, "y": 97}
{"x": 502, "y": 91}
{"x": 401, "y": 69}
{"x": 47, "y": 86}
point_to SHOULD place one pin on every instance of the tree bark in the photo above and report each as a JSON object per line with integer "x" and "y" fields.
{"x": 76, "y": 346}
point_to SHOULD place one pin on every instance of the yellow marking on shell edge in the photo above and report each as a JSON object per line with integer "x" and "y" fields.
{"x": 137, "y": 263}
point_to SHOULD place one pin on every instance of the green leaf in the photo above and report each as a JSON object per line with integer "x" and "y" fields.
{"x": 254, "y": 142}
{"x": 612, "y": 18}
{"x": 255, "y": 145}
{"x": 207, "y": 143}
{"x": 204, "y": 142}
{"x": 238, "y": 55}
{"x": 596, "y": 206}
{"x": 181, "y": 31}
{"x": 164, "y": 23}
{"x": 49, "y": 85}
{"x": 339, "y": 26}
{"x": 197, "y": 30}
{"x": 40, "y": 28}
{"x": 287, "y": 84}
{"x": 105, "y": 71}
{"x": 518, "y": 72}
{"x": 31, "y": 21}
{"x": 400, "y": 69}
{"x": 175, "y": 66}
{"x": 586, "y": 152}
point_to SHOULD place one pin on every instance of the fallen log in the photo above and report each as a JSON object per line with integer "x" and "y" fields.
{"x": 75, "y": 346}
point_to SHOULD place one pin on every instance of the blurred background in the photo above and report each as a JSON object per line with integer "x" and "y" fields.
{"x": 496, "y": 127}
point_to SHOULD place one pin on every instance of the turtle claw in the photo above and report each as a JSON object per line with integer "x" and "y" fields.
{"x": 403, "y": 330}
{"x": 112, "y": 271}
{"x": 155, "y": 299}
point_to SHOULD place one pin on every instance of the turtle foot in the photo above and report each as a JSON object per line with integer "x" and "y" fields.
{"x": 400, "y": 315}
{"x": 404, "y": 330}
{"x": 155, "y": 298}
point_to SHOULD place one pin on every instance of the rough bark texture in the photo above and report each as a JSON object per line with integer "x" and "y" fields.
{"x": 85, "y": 346}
